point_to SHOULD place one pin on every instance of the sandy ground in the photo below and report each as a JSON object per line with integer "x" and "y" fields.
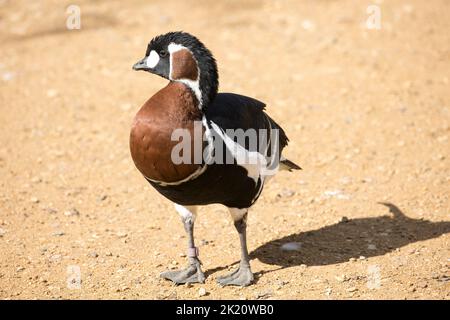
{"x": 367, "y": 113}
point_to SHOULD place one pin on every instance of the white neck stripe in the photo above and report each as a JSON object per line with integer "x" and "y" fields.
{"x": 194, "y": 85}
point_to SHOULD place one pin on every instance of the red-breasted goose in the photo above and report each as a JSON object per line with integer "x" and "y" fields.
{"x": 233, "y": 147}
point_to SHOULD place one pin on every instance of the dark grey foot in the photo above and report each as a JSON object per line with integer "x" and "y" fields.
{"x": 243, "y": 277}
{"x": 192, "y": 274}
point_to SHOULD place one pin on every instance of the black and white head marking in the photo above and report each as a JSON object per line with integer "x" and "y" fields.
{"x": 159, "y": 60}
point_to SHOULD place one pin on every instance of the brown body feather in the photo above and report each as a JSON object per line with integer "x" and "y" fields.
{"x": 173, "y": 107}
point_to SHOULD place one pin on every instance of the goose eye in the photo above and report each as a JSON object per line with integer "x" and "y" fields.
{"x": 163, "y": 53}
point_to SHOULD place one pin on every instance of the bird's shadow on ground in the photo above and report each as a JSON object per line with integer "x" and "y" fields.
{"x": 337, "y": 243}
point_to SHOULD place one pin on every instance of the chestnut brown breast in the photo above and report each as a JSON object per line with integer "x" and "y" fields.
{"x": 174, "y": 106}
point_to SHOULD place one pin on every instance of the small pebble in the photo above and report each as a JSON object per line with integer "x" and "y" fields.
{"x": 341, "y": 278}
{"x": 281, "y": 284}
{"x": 202, "y": 292}
{"x": 34, "y": 200}
{"x": 72, "y": 212}
{"x": 51, "y": 210}
{"x": 286, "y": 193}
{"x": 55, "y": 258}
{"x": 93, "y": 254}
{"x": 338, "y": 194}
{"x": 36, "y": 180}
{"x": 263, "y": 295}
{"x": 344, "y": 219}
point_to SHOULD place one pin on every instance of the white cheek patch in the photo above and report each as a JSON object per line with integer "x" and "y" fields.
{"x": 152, "y": 59}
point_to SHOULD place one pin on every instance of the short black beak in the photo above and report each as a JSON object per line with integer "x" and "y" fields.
{"x": 141, "y": 65}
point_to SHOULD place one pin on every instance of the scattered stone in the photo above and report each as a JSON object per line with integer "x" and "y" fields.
{"x": 285, "y": 193}
{"x": 304, "y": 266}
{"x": 372, "y": 247}
{"x": 34, "y": 200}
{"x": 36, "y": 180}
{"x": 263, "y": 295}
{"x": 362, "y": 258}
{"x": 122, "y": 289}
{"x": 58, "y": 233}
{"x": 338, "y": 194}
{"x": 72, "y": 212}
{"x": 102, "y": 197}
{"x": 172, "y": 267}
{"x": 342, "y": 278}
{"x": 51, "y": 210}
{"x": 2, "y": 232}
{"x": 122, "y": 234}
{"x": 109, "y": 254}
{"x": 20, "y": 269}
{"x": 328, "y": 291}
{"x": 291, "y": 246}
{"x": 281, "y": 284}
{"x": 93, "y": 254}
{"x": 344, "y": 219}
{"x": 55, "y": 258}
{"x": 202, "y": 292}
{"x": 352, "y": 260}
{"x": 352, "y": 289}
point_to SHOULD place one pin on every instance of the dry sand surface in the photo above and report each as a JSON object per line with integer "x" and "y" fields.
{"x": 368, "y": 117}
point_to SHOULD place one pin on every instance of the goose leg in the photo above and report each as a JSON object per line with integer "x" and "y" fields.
{"x": 193, "y": 272}
{"x": 242, "y": 276}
